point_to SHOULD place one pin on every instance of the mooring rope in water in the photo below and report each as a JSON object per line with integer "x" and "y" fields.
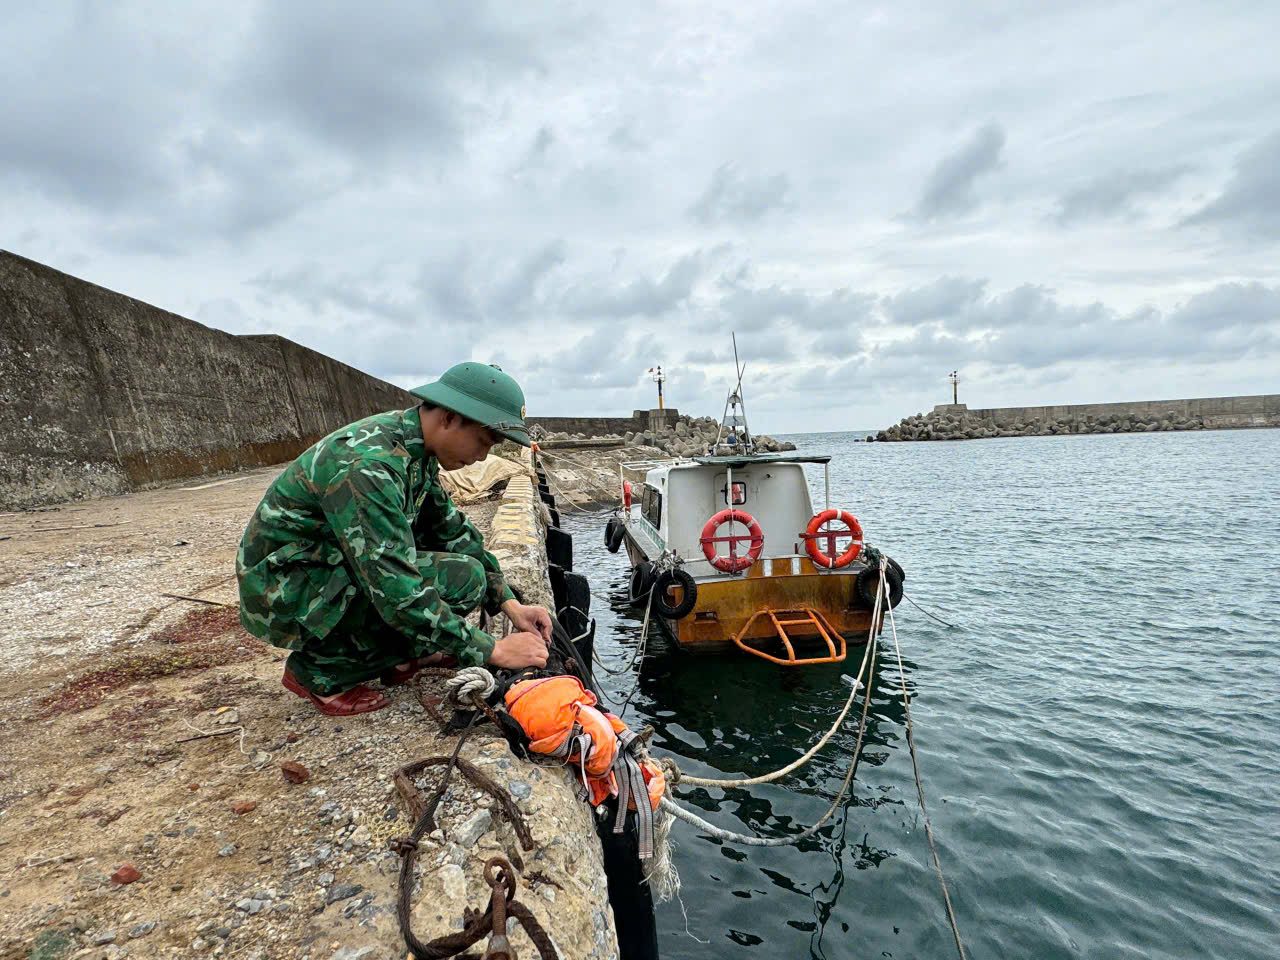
{"x": 689, "y": 817}
{"x": 927, "y": 613}
{"x": 680, "y": 777}
{"x": 915, "y": 766}
{"x": 640, "y": 648}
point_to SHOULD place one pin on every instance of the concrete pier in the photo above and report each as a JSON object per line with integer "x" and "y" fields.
{"x": 955, "y": 421}
{"x": 147, "y": 728}
{"x": 1261, "y": 410}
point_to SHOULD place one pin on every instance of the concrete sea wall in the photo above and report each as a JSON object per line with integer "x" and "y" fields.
{"x": 1261, "y": 410}
{"x": 640, "y": 421}
{"x": 955, "y": 421}
{"x": 102, "y": 394}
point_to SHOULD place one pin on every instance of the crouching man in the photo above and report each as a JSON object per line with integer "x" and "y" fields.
{"x": 358, "y": 562}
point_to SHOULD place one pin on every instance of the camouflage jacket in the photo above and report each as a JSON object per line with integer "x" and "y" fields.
{"x": 350, "y": 516}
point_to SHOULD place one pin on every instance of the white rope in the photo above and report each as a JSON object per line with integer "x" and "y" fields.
{"x": 689, "y": 817}
{"x": 468, "y": 682}
{"x": 796, "y": 764}
{"x": 911, "y": 746}
{"x": 560, "y": 489}
{"x": 662, "y": 878}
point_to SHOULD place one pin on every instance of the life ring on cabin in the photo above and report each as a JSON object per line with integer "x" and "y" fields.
{"x": 626, "y": 494}
{"x": 814, "y": 532}
{"x": 733, "y": 563}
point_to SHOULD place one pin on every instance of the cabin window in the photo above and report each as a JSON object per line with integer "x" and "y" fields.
{"x": 739, "y": 493}
{"x": 653, "y": 507}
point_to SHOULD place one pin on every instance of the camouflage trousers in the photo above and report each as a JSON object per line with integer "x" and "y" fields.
{"x": 361, "y": 646}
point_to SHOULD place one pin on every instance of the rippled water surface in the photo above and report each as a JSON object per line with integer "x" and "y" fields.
{"x": 1098, "y": 736}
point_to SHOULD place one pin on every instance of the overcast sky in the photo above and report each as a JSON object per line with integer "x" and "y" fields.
{"x": 1067, "y": 202}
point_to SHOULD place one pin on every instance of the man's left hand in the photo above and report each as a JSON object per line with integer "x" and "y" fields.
{"x": 525, "y": 617}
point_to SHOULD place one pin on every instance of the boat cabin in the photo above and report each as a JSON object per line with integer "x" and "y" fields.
{"x": 672, "y": 501}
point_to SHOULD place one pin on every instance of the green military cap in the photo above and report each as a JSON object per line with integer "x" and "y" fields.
{"x": 483, "y": 393}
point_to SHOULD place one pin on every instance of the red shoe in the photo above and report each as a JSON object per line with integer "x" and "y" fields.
{"x": 359, "y": 699}
{"x": 398, "y": 675}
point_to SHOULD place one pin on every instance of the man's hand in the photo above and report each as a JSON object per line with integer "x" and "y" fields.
{"x": 533, "y": 619}
{"x": 517, "y": 650}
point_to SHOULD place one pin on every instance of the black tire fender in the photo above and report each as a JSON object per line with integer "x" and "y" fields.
{"x": 869, "y": 579}
{"x": 641, "y": 581}
{"x": 613, "y": 535}
{"x": 676, "y": 578}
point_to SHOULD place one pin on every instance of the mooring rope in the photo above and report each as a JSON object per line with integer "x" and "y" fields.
{"x": 559, "y": 487}
{"x": 595, "y": 656}
{"x": 640, "y": 648}
{"x": 689, "y": 817}
{"x": 468, "y": 682}
{"x": 679, "y": 777}
{"x": 915, "y": 766}
{"x": 927, "y": 613}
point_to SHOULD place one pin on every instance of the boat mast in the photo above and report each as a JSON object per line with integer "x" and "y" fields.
{"x": 735, "y": 411}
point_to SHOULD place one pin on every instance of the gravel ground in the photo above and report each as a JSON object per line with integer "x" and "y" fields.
{"x": 150, "y": 731}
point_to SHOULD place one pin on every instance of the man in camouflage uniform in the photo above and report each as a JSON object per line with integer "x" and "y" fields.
{"x": 358, "y": 562}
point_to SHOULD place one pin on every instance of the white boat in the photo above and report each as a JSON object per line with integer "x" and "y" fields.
{"x": 730, "y": 552}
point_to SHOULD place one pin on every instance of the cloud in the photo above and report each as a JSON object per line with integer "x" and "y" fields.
{"x": 386, "y": 85}
{"x": 834, "y": 315}
{"x": 1029, "y": 328}
{"x": 590, "y": 191}
{"x": 639, "y": 297}
{"x": 737, "y": 198}
{"x": 949, "y": 191}
{"x": 944, "y": 299}
{"x": 1114, "y": 194}
{"x": 1241, "y": 307}
{"x": 1249, "y": 205}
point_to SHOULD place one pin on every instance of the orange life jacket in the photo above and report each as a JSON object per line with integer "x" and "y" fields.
{"x": 560, "y": 718}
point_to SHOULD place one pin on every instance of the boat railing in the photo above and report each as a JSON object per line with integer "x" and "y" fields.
{"x": 784, "y": 565}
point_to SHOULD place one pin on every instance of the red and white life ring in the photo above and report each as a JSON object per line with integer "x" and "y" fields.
{"x": 734, "y": 562}
{"x": 814, "y": 532}
{"x": 626, "y": 494}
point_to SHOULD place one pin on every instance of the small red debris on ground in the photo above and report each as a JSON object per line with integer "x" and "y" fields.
{"x": 200, "y": 626}
{"x": 295, "y": 772}
{"x": 126, "y": 874}
{"x": 127, "y": 669}
{"x": 291, "y": 738}
{"x": 193, "y": 786}
{"x": 241, "y": 807}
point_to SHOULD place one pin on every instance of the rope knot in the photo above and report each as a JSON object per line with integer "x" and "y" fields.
{"x": 469, "y": 682}
{"x": 671, "y": 770}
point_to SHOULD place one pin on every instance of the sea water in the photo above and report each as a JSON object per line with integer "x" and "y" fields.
{"x": 1098, "y": 734}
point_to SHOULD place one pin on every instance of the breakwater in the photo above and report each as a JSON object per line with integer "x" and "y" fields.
{"x": 955, "y": 421}
{"x": 639, "y": 422}
{"x": 667, "y": 430}
{"x": 102, "y": 394}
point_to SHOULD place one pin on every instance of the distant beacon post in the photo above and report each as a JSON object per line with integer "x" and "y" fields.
{"x": 954, "y": 377}
{"x": 659, "y": 378}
